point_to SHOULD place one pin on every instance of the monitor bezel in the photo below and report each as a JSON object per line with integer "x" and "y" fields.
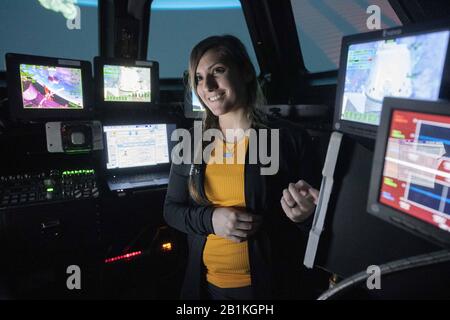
{"x": 99, "y": 62}
{"x": 20, "y": 114}
{"x": 367, "y": 130}
{"x": 170, "y": 127}
{"x": 374, "y": 206}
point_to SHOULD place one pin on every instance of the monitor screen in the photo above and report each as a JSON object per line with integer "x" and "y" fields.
{"x": 46, "y": 88}
{"x": 192, "y": 105}
{"x": 196, "y": 105}
{"x": 374, "y": 66}
{"x": 127, "y": 84}
{"x": 131, "y": 146}
{"x": 51, "y": 87}
{"x": 415, "y": 172}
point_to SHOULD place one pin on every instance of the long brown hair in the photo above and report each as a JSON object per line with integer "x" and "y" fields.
{"x": 233, "y": 51}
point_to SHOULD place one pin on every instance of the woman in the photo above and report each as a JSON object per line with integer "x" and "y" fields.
{"x": 238, "y": 220}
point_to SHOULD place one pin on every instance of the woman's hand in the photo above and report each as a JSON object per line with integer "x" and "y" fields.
{"x": 299, "y": 201}
{"x": 234, "y": 223}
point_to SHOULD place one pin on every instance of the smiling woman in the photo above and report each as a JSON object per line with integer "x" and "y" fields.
{"x": 232, "y": 212}
{"x": 218, "y": 85}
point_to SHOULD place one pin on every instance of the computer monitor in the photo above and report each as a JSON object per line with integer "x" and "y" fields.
{"x": 192, "y": 105}
{"x": 124, "y": 84}
{"x": 410, "y": 180}
{"x": 406, "y": 62}
{"x": 44, "y": 88}
{"x": 137, "y": 146}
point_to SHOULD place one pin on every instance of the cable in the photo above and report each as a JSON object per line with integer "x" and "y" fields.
{"x": 388, "y": 268}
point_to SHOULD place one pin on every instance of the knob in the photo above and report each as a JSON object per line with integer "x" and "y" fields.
{"x": 77, "y": 193}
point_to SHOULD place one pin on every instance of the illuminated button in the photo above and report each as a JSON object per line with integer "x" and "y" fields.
{"x": 166, "y": 246}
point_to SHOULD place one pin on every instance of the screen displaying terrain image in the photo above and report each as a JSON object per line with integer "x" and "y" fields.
{"x": 50, "y": 87}
{"x": 404, "y": 67}
{"x": 127, "y": 84}
{"x": 416, "y": 175}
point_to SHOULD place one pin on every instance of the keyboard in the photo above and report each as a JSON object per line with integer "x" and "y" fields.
{"x": 138, "y": 180}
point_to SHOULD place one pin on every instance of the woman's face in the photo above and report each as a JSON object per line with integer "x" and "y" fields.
{"x": 219, "y": 84}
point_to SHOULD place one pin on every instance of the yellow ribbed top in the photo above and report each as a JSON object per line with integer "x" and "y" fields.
{"x": 227, "y": 262}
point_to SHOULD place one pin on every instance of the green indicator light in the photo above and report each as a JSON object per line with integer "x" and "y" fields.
{"x": 49, "y": 189}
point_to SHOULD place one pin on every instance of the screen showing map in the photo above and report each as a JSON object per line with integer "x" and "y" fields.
{"x": 416, "y": 173}
{"x": 50, "y": 87}
{"x": 127, "y": 84}
{"x": 404, "y": 67}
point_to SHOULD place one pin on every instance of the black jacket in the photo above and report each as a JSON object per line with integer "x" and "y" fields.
{"x": 276, "y": 250}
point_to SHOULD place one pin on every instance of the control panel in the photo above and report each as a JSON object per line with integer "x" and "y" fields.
{"x": 50, "y": 185}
